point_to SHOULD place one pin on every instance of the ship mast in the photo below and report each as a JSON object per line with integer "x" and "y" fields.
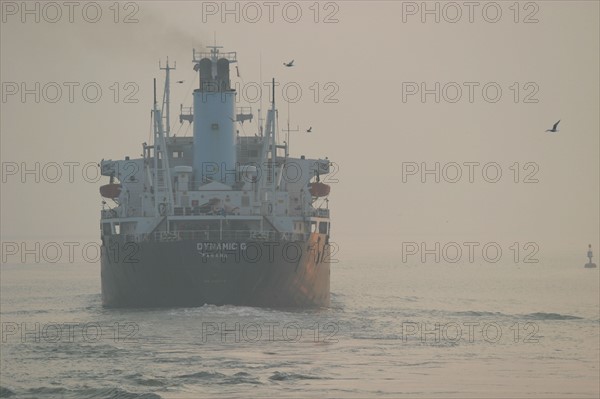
{"x": 163, "y": 192}
{"x": 269, "y": 145}
{"x": 166, "y": 107}
{"x": 273, "y": 144}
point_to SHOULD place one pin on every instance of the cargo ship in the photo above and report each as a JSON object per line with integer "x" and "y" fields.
{"x": 218, "y": 217}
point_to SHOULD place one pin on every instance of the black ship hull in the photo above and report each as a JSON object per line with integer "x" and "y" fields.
{"x": 193, "y": 273}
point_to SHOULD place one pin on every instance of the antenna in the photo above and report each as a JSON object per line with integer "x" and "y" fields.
{"x": 273, "y": 93}
{"x": 287, "y": 131}
{"x": 260, "y": 122}
{"x": 154, "y": 92}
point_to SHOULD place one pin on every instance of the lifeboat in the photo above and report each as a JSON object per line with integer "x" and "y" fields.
{"x": 319, "y": 189}
{"x": 112, "y": 190}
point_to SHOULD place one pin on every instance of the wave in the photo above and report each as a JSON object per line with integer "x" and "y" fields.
{"x": 115, "y": 393}
{"x": 474, "y": 313}
{"x": 551, "y": 316}
{"x": 220, "y": 378}
{"x": 281, "y": 376}
{"x": 6, "y": 393}
{"x": 26, "y": 312}
{"x": 48, "y": 390}
{"x": 241, "y": 378}
{"x": 203, "y": 375}
{"x": 533, "y": 316}
{"x": 140, "y": 379}
{"x": 90, "y": 393}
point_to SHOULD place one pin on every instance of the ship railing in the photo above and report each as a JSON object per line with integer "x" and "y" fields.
{"x": 320, "y": 212}
{"x": 211, "y": 236}
{"x": 108, "y": 214}
{"x": 214, "y": 235}
{"x": 230, "y": 56}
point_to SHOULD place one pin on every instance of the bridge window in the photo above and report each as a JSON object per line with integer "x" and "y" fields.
{"x": 106, "y": 229}
{"x": 323, "y": 227}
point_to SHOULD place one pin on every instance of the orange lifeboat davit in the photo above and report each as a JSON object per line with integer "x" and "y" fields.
{"x": 112, "y": 190}
{"x": 319, "y": 189}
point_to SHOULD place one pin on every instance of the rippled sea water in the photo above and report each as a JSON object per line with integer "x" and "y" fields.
{"x": 393, "y": 330}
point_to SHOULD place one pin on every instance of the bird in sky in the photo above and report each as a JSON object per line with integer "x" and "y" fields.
{"x": 309, "y": 130}
{"x": 554, "y": 128}
{"x": 289, "y": 64}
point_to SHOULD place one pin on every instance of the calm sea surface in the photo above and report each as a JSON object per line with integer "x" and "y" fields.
{"x": 394, "y": 330}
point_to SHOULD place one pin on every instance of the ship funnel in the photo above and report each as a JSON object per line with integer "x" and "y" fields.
{"x": 214, "y": 118}
{"x": 223, "y": 73}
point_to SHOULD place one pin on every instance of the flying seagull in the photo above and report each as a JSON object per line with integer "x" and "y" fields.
{"x": 289, "y": 64}
{"x": 554, "y": 128}
{"x": 309, "y": 130}
{"x": 180, "y": 81}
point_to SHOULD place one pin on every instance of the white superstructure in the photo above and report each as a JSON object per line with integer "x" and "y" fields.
{"x": 216, "y": 183}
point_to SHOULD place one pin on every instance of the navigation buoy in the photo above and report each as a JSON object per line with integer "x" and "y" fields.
{"x": 590, "y": 264}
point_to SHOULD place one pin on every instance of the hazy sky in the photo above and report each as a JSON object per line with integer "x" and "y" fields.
{"x": 372, "y": 52}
